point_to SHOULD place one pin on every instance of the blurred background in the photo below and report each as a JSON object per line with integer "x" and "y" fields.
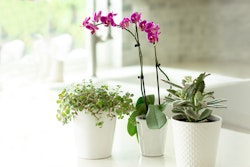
{"x": 205, "y": 35}
{"x": 42, "y": 40}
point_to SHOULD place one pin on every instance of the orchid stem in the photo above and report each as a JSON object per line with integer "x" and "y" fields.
{"x": 157, "y": 74}
{"x": 143, "y": 90}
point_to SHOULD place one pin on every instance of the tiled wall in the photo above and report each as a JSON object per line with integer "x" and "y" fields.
{"x": 193, "y": 30}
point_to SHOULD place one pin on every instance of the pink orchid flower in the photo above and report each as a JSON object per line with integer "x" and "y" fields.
{"x": 135, "y": 17}
{"x": 124, "y": 23}
{"x": 149, "y": 26}
{"x": 142, "y": 25}
{"x": 108, "y": 20}
{"x": 86, "y": 22}
{"x": 153, "y": 37}
{"x": 92, "y": 28}
{"x": 97, "y": 16}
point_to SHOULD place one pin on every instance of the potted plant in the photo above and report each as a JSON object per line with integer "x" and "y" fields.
{"x": 148, "y": 121}
{"x": 195, "y": 129}
{"x": 93, "y": 109}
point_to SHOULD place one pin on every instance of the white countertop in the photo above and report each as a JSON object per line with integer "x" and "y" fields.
{"x": 31, "y": 136}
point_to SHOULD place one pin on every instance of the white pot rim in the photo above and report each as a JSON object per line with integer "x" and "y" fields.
{"x": 213, "y": 118}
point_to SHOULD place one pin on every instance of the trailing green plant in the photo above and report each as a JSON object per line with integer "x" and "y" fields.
{"x": 94, "y": 100}
{"x": 190, "y": 101}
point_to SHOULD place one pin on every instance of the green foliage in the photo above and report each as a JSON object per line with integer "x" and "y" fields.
{"x": 154, "y": 115}
{"x": 86, "y": 97}
{"x": 191, "y": 102}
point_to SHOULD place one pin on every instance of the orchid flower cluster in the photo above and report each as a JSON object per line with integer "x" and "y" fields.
{"x": 150, "y": 28}
{"x": 145, "y": 104}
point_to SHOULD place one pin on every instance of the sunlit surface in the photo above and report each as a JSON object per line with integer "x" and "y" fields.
{"x": 31, "y": 135}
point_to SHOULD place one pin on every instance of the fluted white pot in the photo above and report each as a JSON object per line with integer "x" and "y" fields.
{"x": 93, "y": 142}
{"x": 152, "y": 141}
{"x": 196, "y": 143}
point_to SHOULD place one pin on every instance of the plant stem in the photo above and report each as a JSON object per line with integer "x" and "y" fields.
{"x": 141, "y": 77}
{"x": 142, "y": 82}
{"x": 157, "y": 74}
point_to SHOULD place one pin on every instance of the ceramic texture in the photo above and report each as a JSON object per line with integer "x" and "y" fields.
{"x": 152, "y": 141}
{"x": 93, "y": 142}
{"x": 196, "y": 143}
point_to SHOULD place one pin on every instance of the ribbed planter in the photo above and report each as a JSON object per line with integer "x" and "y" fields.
{"x": 196, "y": 143}
{"x": 93, "y": 142}
{"x": 152, "y": 141}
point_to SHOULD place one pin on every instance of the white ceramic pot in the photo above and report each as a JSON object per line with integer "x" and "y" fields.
{"x": 93, "y": 142}
{"x": 152, "y": 141}
{"x": 195, "y": 144}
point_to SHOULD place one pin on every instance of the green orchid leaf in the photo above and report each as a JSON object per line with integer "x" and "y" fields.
{"x": 139, "y": 101}
{"x": 132, "y": 117}
{"x": 131, "y": 125}
{"x": 163, "y": 106}
{"x": 150, "y": 99}
{"x": 141, "y": 109}
{"x": 131, "y": 128}
{"x": 155, "y": 118}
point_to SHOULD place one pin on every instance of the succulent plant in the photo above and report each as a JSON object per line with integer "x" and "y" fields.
{"x": 190, "y": 101}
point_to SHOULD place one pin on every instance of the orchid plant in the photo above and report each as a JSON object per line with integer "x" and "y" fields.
{"x": 145, "y": 105}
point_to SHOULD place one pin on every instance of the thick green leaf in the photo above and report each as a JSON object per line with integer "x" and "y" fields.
{"x": 163, "y": 106}
{"x": 191, "y": 100}
{"x": 141, "y": 109}
{"x": 190, "y": 91}
{"x": 206, "y": 113}
{"x": 215, "y": 101}
{"x": 177, "y": 110}
{"x": 191, "y": 114}
{"x": 169, "y": 99}
{"x": 182, "y": 103}
{"x": 173, "y": 92}
{"x": 139, "y": 101}
{"x": 172, "y": 84}
{"x": 155, "y": 118}
{"x": 150, "y": 99}
{"x": 200, "y": 84}
{"x": 197, "y": 98}
{"x": 132, "y": 117}
{"x": 131, "y": 128}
